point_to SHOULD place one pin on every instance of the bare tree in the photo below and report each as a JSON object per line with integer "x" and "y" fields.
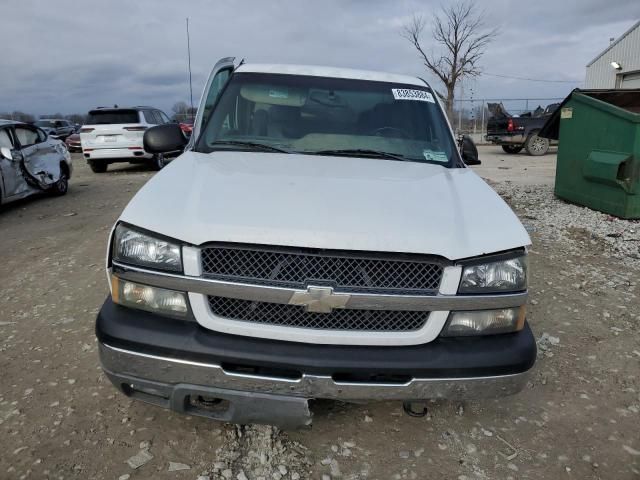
{"x": 180, "y": 107}
{"x": 460, "y": 32}
{"x": 182, "y": 111}
{"x": 18, "y": 116}
{"x": 51, "y": 115}
{"x": 76, "y": 118}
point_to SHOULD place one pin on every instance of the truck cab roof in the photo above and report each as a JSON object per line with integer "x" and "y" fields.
{"x": 333, "y": 72}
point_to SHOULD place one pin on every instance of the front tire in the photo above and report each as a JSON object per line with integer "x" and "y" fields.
{"x": 97, "y": 167}
{"x": 61, "y": 187}
{"x": 535, "y": 145}
{"x": 512, "y": 149}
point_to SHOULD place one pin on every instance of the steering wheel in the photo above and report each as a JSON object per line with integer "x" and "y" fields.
{"x": 380, "y": 132}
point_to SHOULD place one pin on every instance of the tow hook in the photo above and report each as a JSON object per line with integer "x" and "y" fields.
{"x": 209, "y": 401}
{"x": 415, "y": 409}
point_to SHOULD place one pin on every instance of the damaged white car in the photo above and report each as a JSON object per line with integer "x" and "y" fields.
{"x": 31, "y": 162}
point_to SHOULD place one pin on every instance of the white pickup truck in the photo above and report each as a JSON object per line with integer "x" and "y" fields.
{"x": 319, "y": 238}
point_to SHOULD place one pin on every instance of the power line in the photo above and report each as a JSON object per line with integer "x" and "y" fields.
{"x": 531, "y": 79}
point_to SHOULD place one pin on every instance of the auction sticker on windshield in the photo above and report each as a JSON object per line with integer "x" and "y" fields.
{"x": 410, "y": 94}
{"x": 435, "y": 156}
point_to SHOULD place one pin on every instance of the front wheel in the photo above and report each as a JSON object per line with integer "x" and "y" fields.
{"x": 159, "y": 161}
{"x": 512, "y": 149}
{"x": 536, "y": 145}
{"x": 62, "y": 185}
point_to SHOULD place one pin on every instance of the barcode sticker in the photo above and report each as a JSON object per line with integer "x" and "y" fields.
{"x": 409, "y": 94}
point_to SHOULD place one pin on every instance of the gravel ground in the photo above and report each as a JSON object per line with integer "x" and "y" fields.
{"x": 566, "y": 223}
{"x": 61, "y": 419}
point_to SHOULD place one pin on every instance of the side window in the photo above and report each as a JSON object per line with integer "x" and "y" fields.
{"x": 217, "y": 85}
{"x": 41, "y": 136}
{"x": 5, "y": 139}
{"x": 158, "y": 117}
{"x": 164, "y": 118}
{"x": 26, "y": 136}
{"x": 149, "y": 117}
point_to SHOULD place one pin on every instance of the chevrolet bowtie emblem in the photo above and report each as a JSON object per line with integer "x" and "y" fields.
{"x": 320, "y": 299}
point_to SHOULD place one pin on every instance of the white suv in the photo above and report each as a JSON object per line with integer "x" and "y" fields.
{"x": 115, "y": 135}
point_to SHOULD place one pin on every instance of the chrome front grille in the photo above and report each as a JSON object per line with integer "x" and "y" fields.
{"x": 284, "y": 315}
{"x": 355, "y": 272}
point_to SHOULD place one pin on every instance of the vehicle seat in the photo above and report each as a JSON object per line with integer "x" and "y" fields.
{"x": 259, "y": 123}
{"x": 284, "y": 122}
{"x": 383, "y": 115}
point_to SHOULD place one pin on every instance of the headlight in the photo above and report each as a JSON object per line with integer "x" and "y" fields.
{"x": 495, "y": 277}
{"x": 484, "y": 322}
{"x": 136, "y": 248}
{"x": 151, "y": 299}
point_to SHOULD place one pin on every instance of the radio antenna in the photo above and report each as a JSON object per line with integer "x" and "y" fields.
{"x": 189, "y": 60}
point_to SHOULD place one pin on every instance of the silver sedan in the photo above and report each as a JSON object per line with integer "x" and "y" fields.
{"x": 31, "y": 162}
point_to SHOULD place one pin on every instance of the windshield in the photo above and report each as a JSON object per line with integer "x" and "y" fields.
{"x": 333, "y": 116}
{"x": 44, "y": 123}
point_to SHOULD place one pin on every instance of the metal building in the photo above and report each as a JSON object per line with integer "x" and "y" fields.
{"x": 618, "y": 66}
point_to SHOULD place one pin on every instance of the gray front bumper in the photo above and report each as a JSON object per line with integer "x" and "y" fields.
{"x": 177, "y": 384}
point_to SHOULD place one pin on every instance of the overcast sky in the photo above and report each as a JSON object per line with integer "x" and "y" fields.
{"x": 70, "y": 56}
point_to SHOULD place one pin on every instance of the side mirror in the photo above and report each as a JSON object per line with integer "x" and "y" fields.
{"x": 469, "y": 151}
{"x": 6, "y": 153}
{"x": 164, "y": 138}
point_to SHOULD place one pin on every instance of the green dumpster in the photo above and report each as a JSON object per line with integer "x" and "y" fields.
{"x": 599, "y": 150}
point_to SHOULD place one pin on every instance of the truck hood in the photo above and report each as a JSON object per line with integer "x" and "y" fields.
{"x": 326, "y": 202}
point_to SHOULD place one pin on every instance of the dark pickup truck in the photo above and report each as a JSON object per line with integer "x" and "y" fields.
{"x": 516, "y": 133}
{"x": 59, "y": 128}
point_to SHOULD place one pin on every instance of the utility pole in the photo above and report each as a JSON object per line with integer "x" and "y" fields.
{"x": 189, "y": 59}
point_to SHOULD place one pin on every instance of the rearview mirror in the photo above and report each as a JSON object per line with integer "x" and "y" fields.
{"x": 6, "y": 153}
{"x": 164, "y": 138}
{"x": 469, "y": 151}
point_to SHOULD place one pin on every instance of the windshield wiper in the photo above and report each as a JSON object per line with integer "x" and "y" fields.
{"x": 261, "y": 147}
{"x": 359, "y": 152}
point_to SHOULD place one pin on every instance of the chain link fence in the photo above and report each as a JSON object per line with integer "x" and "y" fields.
{"x": 470, "y": 115}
